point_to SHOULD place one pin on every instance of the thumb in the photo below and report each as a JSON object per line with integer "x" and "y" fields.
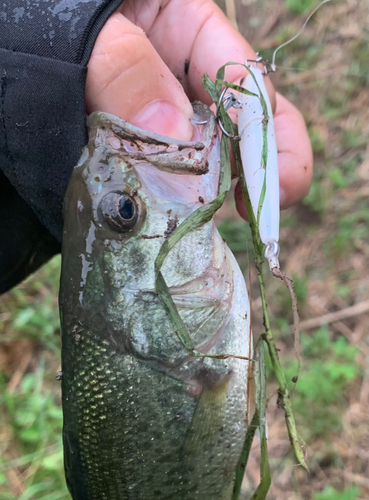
{"x": 128, "y": 78}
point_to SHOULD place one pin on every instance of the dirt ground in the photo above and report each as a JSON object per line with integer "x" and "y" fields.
{"x": 324, "y": 242}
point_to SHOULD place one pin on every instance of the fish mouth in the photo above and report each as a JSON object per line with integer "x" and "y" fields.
{"x": 165, "y": 153}
{"x": 203, "y": 123}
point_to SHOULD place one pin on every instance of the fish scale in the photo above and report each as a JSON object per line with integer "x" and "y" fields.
{"x": 103, "y": 435}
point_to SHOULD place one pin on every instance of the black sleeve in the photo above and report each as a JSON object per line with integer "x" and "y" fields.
{"x": 45, "y": 46}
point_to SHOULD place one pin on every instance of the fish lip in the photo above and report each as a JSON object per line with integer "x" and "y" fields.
{"x": 203, "y": 132}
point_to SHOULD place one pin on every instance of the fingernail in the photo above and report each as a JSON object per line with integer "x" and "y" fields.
{"x": 163, "y": 118}
{"x": 282, "y": 197}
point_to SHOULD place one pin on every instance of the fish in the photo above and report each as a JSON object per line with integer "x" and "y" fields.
{"x": 143, "y": 417}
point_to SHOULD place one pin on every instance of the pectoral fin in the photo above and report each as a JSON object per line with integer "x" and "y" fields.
{"x": 208, "y": 419}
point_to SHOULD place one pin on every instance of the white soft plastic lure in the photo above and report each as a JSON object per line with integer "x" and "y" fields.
{"x": 251, "y": 117}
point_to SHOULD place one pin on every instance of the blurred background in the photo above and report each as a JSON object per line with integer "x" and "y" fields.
{"x": 325, "y": 247}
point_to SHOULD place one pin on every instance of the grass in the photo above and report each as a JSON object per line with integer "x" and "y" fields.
{"x": 31, "y": 463}
{"x": 330, "y": 493}
{"x": 329, "y": 368}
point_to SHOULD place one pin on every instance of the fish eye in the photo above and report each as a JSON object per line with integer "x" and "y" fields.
{"x": 119, "y": 210}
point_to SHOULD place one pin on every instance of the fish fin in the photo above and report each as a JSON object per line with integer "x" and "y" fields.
{"x": 202, "y": 315}
{"x": 194, "y": 301}
{"x": 208, "y": 418}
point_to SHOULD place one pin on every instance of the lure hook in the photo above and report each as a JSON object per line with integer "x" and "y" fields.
{"x": 268, "y": 67}
{"x": 228, "y": 101}
{"x": 202, "y": 122}
{"x": 272, "y": 253}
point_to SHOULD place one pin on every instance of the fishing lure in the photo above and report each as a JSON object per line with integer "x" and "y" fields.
{"x": 260, "y": 159}
{"x": 258, "y": 150}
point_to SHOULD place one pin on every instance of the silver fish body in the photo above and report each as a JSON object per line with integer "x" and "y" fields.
{"x": 143, "y": 418}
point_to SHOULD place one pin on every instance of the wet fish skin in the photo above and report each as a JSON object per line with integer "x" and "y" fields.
{"x": 143, "y": 419}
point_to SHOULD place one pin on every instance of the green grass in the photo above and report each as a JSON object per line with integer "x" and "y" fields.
{"x": 31, "y": 413}
{"x": 34, "y": 416}
{"x": 301, "y": 6}
{"x": 330, "y": 493}
{"x": 329, "y": 367}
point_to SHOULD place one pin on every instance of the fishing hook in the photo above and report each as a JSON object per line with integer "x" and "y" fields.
{"x": 228, "y": 101}
{"x": 268, "y": 67}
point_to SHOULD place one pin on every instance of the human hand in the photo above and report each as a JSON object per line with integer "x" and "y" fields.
{"x": 147, "y": 64}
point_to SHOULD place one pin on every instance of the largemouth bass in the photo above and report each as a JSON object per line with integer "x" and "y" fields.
{"x": 143, "y": 417}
